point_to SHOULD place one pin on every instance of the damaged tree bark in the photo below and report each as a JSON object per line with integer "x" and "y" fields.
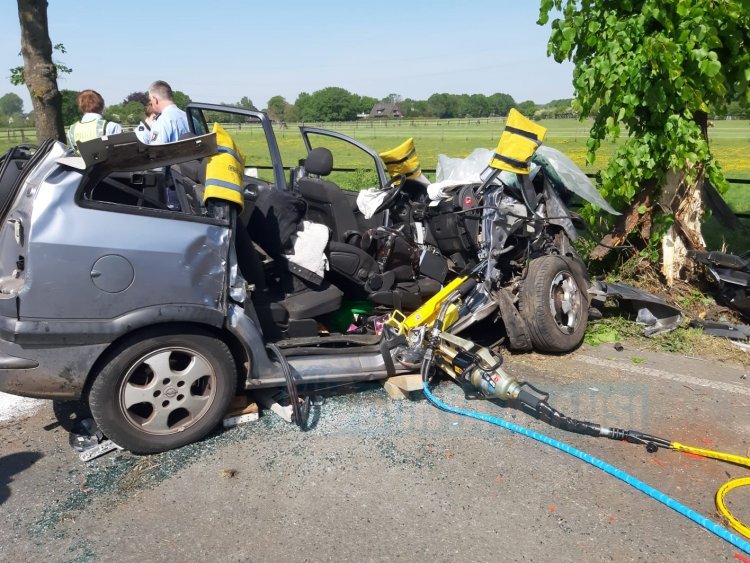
{"x": 629, "y": 220}
{"x": 682, "y": 197}
{"x": 682, "y": 193}
{"x": 686, "y": 205}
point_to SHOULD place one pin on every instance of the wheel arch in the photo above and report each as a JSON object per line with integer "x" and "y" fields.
{"x": 241, "y": 359}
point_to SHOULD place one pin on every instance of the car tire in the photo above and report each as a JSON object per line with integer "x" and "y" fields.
{"x": 163, "y": 389}
{"x": 554, "y": 303}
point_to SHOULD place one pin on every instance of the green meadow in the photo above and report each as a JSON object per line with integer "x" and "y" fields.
{"x": 730, "y": 142}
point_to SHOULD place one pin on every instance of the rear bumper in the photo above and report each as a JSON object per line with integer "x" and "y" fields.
{"x": 46, "y": 373}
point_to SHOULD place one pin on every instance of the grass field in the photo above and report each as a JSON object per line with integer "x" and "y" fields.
{"x": 730, "y": 142}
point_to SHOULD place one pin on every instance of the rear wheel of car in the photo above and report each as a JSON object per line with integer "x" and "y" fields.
{"x": 161, "y": 390}
{"x": 554, "y": 303}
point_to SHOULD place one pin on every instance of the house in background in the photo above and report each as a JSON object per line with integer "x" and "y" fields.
{"x": 383, "y": 109}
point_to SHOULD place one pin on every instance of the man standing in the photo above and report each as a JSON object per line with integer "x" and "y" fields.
{"x": 172, "y": 122}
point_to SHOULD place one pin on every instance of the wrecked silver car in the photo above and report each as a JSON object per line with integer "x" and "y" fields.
{"x": 112, "y": 293}
{"x": 123, "y": 285}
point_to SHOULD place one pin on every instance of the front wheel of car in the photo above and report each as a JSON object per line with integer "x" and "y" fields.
{"x": 554, "y": 303}
{"x": 161, "y": 389}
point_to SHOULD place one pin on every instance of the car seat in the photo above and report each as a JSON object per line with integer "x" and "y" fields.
{"x": 326, "y": 202}
{"x": 287, "y": 297}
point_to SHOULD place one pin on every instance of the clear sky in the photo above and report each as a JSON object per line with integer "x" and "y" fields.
{"x": 220, "y": 51}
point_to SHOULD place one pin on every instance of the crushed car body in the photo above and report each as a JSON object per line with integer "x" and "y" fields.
{"x": 154, "y": 311}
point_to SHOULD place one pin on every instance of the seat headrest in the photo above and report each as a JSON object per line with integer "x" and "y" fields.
{"x": 319, "y": 161}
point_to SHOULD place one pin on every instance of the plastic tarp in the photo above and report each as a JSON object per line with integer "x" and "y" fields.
{"x": 559, "y": 169}
{"x": 563, "y": 173}
{"x": 452, "y": 172}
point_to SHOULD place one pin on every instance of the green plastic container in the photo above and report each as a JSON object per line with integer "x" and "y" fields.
{"x": 341, "y": 320}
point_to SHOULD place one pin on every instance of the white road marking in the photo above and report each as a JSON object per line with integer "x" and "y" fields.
{"x": 13, "y": 407}
{"x": 661, "y": 374}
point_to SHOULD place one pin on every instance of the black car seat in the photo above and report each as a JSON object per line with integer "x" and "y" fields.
{"x": 326, "y": 203}
{"x": 287, "y": 297}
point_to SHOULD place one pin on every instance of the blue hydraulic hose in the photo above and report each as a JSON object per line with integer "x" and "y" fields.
{"x": 699, "y": 519}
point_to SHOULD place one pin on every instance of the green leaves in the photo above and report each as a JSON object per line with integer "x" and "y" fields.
{"x": 17, "y": 76}
{"x": 710, "y": 68}
{"x": 544, "y": 10}
{"x": 645, "y": 69}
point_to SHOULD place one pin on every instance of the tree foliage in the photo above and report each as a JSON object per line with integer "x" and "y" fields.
{"x": 11, "y": 104}
{"x": 443, "y": 105}
{"x": 277, "y": 108}
{"x": 70, "y": 111}
{"x": 246, "y": 103}
{"x": 129, "y": 113}
{"x": 18, "y": 77}
{"x": 652, "y": 68}
{"x": 337, "y": 104}
{"x": 527, "y": 108}
{"x": 501, "y": 104}
{"x": 364, "y": 104}
{"x": 140, "y": 97}
{"x": 328, "y": 104}
{"x": 181, "y": 99}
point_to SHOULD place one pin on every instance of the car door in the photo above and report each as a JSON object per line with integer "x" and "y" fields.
{"x": 12, "y": 164}
{"x": 355, "y": 165}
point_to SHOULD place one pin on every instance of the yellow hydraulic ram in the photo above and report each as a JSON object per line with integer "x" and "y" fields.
{"x": 428, "y": 312}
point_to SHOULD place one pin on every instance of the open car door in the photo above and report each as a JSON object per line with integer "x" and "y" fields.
{"x": 355, "y": 165}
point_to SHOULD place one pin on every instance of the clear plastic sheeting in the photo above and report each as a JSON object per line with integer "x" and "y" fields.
{"x": 563, "y": 173}
{"x": 452, "y": 172}
{"x": 469, "y": 170}
{"x": 463, "y": 170}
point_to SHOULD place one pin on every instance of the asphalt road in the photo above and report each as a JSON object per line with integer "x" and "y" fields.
{"x": 378, "y": 479}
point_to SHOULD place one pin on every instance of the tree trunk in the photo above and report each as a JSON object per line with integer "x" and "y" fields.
{"x": 40, "y": 73}
{"x": 686, "y": 205}
{"x": 685, "y": 201}
{"x": 629, "y": 220}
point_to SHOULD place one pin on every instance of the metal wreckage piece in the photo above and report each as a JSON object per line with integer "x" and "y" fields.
{"x": 656, "y": 315}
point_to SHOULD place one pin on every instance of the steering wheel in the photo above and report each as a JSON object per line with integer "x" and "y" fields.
{"x": 392, "y": 189}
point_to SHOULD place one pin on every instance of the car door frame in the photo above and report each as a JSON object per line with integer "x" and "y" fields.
{"x": 382, "y": 176}
{"x": 273, "y": 148}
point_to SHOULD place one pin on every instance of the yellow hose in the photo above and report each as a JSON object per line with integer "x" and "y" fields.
{"x": 726, "y": 487}
{"x": 721, "y": 493}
